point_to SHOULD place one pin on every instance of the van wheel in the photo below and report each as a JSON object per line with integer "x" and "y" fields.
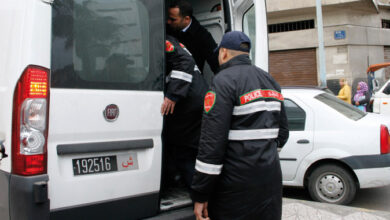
{"x": 332, "y": 184}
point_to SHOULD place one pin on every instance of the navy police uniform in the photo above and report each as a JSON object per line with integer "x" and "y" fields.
{"x": 244, "y": 122}
{"x": 184, "y": 85}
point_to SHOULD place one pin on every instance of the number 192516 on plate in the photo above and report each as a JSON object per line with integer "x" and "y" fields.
{"x": 93, "y": 165}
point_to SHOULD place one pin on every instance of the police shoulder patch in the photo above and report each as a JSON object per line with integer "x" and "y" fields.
{"x": 169, "y": 47}
{"x": 209, "y": 101}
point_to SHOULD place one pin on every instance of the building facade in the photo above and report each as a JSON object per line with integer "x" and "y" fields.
{"x": 356, "y": 35}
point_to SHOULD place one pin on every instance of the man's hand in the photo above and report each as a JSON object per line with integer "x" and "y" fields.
{"x": 357, "y": 103}
{"x": 168, "y": 106}
{"x": 200, "y": 211}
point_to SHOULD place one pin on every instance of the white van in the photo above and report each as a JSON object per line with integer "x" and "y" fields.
{"x": 80, "y": 92}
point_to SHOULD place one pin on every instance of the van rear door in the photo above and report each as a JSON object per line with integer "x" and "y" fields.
{"x": 104, "y": 145}
{"x": 250, "y": 17}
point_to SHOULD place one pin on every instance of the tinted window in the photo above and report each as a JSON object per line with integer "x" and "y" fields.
{"x": 100, "y": 44}
{"x": 342, "y": 107}
{"x": 250, "y": 29}
{"x": 295, "y": 115}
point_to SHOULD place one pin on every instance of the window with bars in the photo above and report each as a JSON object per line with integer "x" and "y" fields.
{"x": 291, "y": 26}
{"x": 386, "y": 24}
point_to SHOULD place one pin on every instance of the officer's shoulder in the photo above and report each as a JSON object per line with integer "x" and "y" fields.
{"x": 268, "y": 76}
{"x": 226, "y": 77}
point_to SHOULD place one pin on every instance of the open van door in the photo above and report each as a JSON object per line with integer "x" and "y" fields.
{"x": 104, "y": 147}
{"x": 250, "y": 17}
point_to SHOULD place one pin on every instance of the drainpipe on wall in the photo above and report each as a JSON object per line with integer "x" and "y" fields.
{"x": 321, "y": 49}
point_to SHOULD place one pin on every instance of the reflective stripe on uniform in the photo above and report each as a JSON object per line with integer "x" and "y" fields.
{"x": 256, "y": 107}
{"x": 207, "y": 168}
{"x": 253, "y": 134}
{"x": 196, "y": 69}
{"x": 181, "y": 75}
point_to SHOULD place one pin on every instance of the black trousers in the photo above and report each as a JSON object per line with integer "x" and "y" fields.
{"x": 269, "y": 209}
{"x": 180, "y": 159}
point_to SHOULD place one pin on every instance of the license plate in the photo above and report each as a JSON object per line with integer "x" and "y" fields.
{"x": 82, "y": 166}
{"x": 92, "y": 165}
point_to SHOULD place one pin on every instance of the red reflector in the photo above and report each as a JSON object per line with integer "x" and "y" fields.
{"x": 30, "y": 165}
{"x": 385, "y": 140}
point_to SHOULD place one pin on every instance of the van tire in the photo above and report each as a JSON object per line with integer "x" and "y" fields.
{"x": 332, "y": 184}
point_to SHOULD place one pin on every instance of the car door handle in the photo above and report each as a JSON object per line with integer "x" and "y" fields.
{"x": 303, "y": 141}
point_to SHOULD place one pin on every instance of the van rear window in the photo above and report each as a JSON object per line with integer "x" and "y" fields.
{"x": 100, "y": 44}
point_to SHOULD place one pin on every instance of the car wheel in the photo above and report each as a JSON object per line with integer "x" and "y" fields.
{"x": 332, "y": 184}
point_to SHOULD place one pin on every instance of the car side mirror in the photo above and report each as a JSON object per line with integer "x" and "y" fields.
{"x": 375, "y": 85}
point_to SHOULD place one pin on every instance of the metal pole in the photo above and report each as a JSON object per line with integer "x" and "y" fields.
{"x": 321, "y": 49}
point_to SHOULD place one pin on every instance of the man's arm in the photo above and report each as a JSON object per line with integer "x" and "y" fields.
{"x": 180, "y": 78}
{"x": 283, "y": 128}
{"x": 214, "y": 139}
{"x": 209, "y": 52}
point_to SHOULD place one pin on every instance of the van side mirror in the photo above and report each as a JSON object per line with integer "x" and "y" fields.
{"x": 375, "y": 85}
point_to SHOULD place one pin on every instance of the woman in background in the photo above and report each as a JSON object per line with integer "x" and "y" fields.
{"x": 362, "y": 96}
{"x": 345, "y": 91}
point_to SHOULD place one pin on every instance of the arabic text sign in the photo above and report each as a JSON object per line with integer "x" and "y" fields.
{"x": 339, "y": 35}
{"x": 127, "y": 162}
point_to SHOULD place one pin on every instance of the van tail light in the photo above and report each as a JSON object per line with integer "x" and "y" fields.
{"x": 30, "y": 122}
{"x": 385, "y": 140}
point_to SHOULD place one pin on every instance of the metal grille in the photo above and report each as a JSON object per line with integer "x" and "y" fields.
{"x": 386, "y": 24}
{"x": 291, "y": 26}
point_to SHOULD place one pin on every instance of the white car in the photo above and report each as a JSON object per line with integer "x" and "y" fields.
{"x": 381, "y": 100}
{"x": 333, "y": 149}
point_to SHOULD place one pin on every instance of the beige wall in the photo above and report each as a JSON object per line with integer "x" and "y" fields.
{"x": 281, "y": 5}
{"x": 349, "y": 57}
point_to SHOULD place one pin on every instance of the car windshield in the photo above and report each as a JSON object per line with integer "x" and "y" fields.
{"x": 346, "y": 109}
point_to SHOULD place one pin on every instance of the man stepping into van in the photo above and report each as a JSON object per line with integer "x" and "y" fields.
{"x": 237, "y": 171}
{"x": 184, "y": 26}
{"x": 183, "y": 106}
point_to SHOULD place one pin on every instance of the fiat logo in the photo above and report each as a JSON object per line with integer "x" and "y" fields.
{"x": 111, "y": 113}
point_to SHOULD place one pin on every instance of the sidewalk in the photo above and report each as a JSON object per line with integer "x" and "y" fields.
{"x": 300, "y": 209}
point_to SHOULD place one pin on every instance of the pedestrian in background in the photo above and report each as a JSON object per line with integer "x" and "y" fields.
{"x": 362, "y": 97}
{"x": 237, "y": 171}
{"x": 345, "y": 93}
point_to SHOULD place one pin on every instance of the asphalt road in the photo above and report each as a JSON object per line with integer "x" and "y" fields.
{"x": 376, "y": 199}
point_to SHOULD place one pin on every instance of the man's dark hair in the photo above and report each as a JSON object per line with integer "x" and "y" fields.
{"x": 184, "y": 7}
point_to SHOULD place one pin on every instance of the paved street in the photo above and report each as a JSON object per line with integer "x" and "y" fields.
{"x": 295, "y": 209}
{"x": 307, "y": 210}
{"x": 375, "y": 199}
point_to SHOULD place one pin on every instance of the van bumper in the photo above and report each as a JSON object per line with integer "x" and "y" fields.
{"x": 371, "y": 170}
{"x": 24, "y": 197}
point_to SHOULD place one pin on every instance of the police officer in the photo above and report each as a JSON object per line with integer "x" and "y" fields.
{"x": 184, "y": 26}
{"x": 182, "y": 107}
{"x": 237, "y": 172}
